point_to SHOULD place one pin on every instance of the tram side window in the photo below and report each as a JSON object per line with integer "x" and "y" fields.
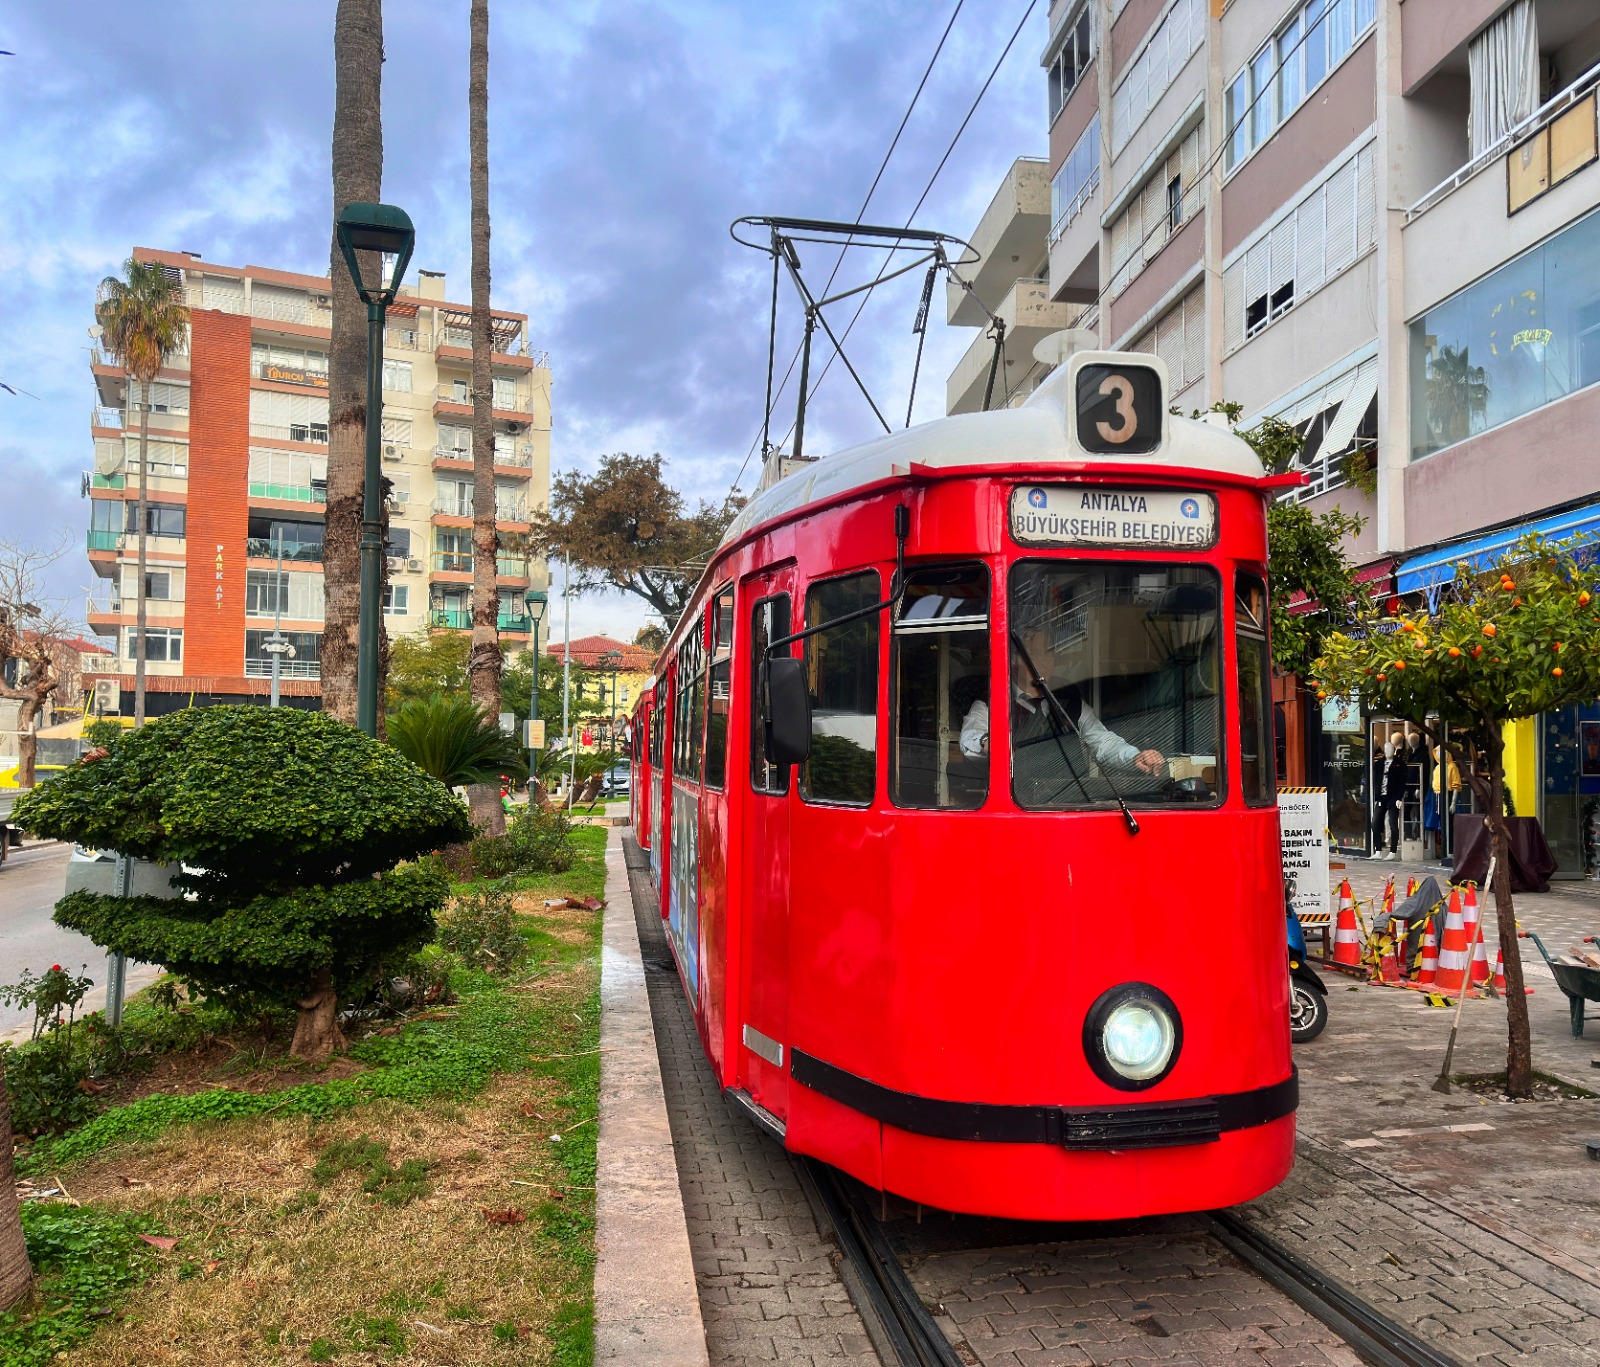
{"x": 1131, "y": 656}
{"x": 939, "y": 745}
{"x": 842, "y": 675}
{"x": 689, "y": 716}
{"x": 1257, "y": 759}
{"x": 658, "y": 729}
{"x": 769, "y": 619}
{"x": 720, "y": 677}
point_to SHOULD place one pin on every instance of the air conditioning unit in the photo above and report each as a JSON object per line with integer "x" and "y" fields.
{"x": 396, "y": 564}
{"x": 414, "y": 565}
{"x": 392, "y": 452}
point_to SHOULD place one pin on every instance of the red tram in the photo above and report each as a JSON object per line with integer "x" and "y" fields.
{"x": 957, "y": 782}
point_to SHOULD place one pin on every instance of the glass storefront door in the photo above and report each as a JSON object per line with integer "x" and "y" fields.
{"x": 1345, "y": 769}
{"x": 1569, "y": 785}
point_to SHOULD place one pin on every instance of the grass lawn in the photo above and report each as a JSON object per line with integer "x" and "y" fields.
{"x": 429, "y": 1199}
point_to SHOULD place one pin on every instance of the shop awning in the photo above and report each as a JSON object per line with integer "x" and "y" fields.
{"x": 1377, "y": 579}
{"x": 1438, "y": 566}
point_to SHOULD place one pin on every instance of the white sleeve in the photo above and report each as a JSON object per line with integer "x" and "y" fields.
{"x": 1106, "y": 746}
{"x": 975, "y": 730}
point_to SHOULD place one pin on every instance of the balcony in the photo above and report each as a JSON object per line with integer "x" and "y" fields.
{"x": 290, "y": 493}
{"x": 94, "y": 481}
{"x": 263, "y": 548}
{"x": 101, "y": 416}
{"x": 1075, "y": 246}
{"x": 1013, "y": 232}
{"x": 1029, "y": 316}
{"x": 456, "y": 399}
{"x": 104, "y": 541}
{"x": 452, "y": 562}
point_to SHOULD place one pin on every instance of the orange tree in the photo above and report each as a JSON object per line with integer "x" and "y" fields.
{"x": 1502, "y": 641}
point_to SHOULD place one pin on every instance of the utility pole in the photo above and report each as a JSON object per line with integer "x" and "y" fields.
{"x": 566, "y": 679}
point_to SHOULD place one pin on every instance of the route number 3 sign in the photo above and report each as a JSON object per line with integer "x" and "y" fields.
{"x": 1120, "y": 412}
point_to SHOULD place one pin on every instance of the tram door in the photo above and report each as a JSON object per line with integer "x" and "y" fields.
{"x": 767, "y": 601}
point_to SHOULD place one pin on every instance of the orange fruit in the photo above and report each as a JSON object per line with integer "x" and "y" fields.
{"x": 1489, "y": 628}
{"x": 1454, "y": 651}
{"x": 1556, "y": 646}
{"x": 1408, "y": 626}
{"x": 1476, "y": 651}
{"x": 1556, "y": 671}
{"x": 1583, "y": 599}
{"x": 1399, "y": 664}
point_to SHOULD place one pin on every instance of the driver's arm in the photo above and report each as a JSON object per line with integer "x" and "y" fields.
{"x": 1106, "y": 746}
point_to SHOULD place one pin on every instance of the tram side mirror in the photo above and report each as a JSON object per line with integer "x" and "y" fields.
{"x": 788, "y": 710}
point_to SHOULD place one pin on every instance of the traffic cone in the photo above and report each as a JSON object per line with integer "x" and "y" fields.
{"x": 1388, "y": 897}
{"x": 1498, "y": 986}
{"x": 1429, "y": 972}
{"x": 1346, "y": 940}
{"x": 1454, "y": 956}
{"x": 1411, "y": 885}
{"x": 1480, "y": 962}
{"x": 1393, "y": 966}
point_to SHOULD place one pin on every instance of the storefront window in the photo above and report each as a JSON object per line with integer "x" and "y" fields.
{"x": 1523, "y": 336}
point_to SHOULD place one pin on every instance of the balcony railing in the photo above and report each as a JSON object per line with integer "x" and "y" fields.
{"x": 265, "y": 548}
{"x": 453, "y": 562}
{"x": 101, "y": 416}
{"x": 1075, "y": 205}
{"x": 511, "y": 566}
{"x": 519, "y": 403}
{"x": 104, "y": 541}
{"x": 106, "y": 481}
{"x": 452, "y": 506}
{"x": 458, "y": 619}
{"x": 290, "y": 493}
{"x": 287, "y": 669}
{"x": 103, "y": 607}
{"x": 512, "y": 455}
{"x": 1545, "y": 114}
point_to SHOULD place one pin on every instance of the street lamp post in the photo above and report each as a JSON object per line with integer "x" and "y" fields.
{"x": 615, "y": 657}
{"x": 536, "y": 607}
{"x": 384, "y": 237}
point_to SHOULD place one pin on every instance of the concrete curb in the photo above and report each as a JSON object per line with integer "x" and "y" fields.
{"x": 646, "y": 1302}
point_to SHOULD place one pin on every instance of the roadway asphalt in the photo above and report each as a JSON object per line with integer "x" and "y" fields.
{"x": 31, "y": 879}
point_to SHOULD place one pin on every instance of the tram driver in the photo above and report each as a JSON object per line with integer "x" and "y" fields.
{"x": 1030, "y": 719}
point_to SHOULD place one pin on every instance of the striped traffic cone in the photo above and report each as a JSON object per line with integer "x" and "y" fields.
{"x": 1430, "y": 953}
{"x": 1411, "y": 885}
{"x": 1498, "y": 986}
{"x": 1471, "y": 913}
{"x": 1395, "y": 968}
{"x": 1454, "y": 956}
{"x": 1346, "y": 939}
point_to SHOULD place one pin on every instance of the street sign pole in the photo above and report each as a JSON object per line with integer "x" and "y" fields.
{"x": 117, "y": 964}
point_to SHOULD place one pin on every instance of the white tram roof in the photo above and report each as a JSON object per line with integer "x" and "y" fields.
{"x": 1038, "y": 432}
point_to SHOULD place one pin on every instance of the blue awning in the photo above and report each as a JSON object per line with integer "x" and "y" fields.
{"x": 1438, "y": 566}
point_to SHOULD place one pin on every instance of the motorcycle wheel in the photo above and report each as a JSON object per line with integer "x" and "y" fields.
{"x": 1308, "y": 1012}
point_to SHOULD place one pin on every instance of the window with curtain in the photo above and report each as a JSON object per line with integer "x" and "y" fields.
{"x": 1503, "y": 74}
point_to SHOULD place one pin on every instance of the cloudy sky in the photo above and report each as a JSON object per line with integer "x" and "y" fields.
{"x": 624, "y": 138}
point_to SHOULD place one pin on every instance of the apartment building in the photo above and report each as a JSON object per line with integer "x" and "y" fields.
{"x": 1378, "y": 220}
{"x": 237, "y": 482}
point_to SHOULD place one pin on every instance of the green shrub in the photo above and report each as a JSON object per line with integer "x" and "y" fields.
{"x": 298, "y": 822}
{"x": 535, "y": 842}
{"x": 480, "y": 928}
{"x": 43, "y": 1078}
{"x": 102, "y": 734}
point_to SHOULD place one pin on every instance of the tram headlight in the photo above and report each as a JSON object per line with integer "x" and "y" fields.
{"x": 1132, "y": 1036}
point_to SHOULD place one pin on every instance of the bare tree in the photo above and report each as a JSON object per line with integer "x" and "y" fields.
{"x": 357, "y": 178}
{"x": 31, "y": 630}
{"x": 143, "y": 322}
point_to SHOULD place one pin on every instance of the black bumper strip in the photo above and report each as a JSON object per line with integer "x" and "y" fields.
{"x": 1137, "y": 1125}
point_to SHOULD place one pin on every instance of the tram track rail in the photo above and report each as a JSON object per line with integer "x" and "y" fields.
{"x": 906, "y": 1333}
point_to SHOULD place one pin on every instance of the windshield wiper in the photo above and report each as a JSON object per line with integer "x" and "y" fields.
{"x": 1064, "y": 717}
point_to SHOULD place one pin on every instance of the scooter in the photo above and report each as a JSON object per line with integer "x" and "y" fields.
{"x": 1308, "y": 994}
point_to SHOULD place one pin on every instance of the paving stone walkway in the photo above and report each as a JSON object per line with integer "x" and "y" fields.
{"x": 769, "y": 1287}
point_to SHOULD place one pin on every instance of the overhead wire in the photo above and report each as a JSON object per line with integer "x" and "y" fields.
{"x": 883, "y": 165}
{"x": 926, "y": 191}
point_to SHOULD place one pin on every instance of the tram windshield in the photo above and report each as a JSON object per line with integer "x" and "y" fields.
{"x": 1130, "y": 656}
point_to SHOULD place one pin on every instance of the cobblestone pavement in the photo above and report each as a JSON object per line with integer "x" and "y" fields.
{"x": 1127, "y": 1295}
{"x": 769, "y": 1288}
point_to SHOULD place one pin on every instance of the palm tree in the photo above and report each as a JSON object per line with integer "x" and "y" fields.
{"x": 357, "y": 177}
{"x": 143, "y": 322}
{"x": 16, "y": 1275}
{"x": 452, "y": 739}
{"x": 1458, "y": 394}
{"x": 484, "y": 664}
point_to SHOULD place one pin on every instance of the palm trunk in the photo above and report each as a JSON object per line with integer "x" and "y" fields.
{"x": 1519, "y": 1043}
{"x": 16, "y": 1275}
{"x": 357, "y": 176}
{"x": 141, "y": 611}
{"x": 485, "y": 661}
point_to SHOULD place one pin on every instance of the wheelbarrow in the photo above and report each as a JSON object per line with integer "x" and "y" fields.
{"x": 1580, "y": 983}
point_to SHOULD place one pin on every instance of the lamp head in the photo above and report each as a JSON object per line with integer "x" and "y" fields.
{"x": 380, "y": 229}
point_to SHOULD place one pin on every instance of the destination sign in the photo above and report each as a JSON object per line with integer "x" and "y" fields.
{"x": 1093, "y": 515}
